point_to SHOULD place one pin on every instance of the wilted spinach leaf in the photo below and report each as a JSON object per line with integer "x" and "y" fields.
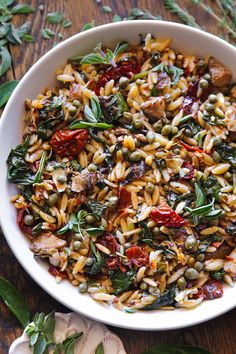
{"x": 123, "y": 281}
{"x": 98, "y": 261}
{"x": 96, "y": 207}
{"x": 166, "y": 299}
{"x": 113, "y": 107}
{"x": 227, "y": 153}
{"x": 137, "y": 171}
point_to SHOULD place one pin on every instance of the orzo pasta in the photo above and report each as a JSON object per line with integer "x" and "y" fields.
{"x": 126, "y": 176}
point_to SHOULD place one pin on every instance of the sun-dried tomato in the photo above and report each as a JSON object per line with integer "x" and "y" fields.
{"x": 165, "y": 216}
{"x": 190, "y": 174}
{"x": 56, "y": 273}
{"x": 190, "y": 148}
{"x": 187, "y": 105}
{"x": 20, "y": 222}
{"x": 69, "y": 143}
{"x": 108, "y": 241}
{"x": 212, "y": 289}
{"x": 124, "y": 68}
{"x": 136, "y": 256}
{"x": 124, "y": 198}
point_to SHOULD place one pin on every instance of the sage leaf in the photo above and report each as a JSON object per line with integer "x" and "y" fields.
{"x": 40, "y": 345}
{"x": 89, "y": 114}
{"x": 47, "y": 33}
{"x": 5, "y": 60}
{"x": 86, "y": 125}
{"x": 200, "y": 195}
{"x": 28, "y": 38}
{"x": 38, "y": 175}
{"x": 22, "y": 9}
{"x": 107, "y": 9}
{"x": 95, "y": 231}
{"x": 5, "y": 3}
{"x": 116, "y": 18}
{"x": 49, "y": 326}
{"x": 12, "y": 35}
{"x": 66, "y": 23}
{"x": 6, "y": 91}
{"x": 92, "y": 58}
{"x": 55, "y": 17}
{"x": 23, "y": 29}
{"x": 176, "y": 349}
{"x": 14, "y": 301}
{"x": 100, "y": 349}
{"x": 69, "y": 343}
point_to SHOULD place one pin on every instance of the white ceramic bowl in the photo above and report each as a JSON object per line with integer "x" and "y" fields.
{"x": 42, "y": 75}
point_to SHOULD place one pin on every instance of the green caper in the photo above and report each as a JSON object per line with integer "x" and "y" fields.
{"x": 212, "y": 98}
{"x": 89, "y": 261}
{"x": 156, "y": 231}
{"x": 92, "y": 168}
{"x": 137, "y": 123}
{"x": 112, "y": 202}
{"x": 28, "y": 219}
{"x": 201, "y": 64}
{"x": 76, "y": 245}
{"x": 125, "y": 152}
{"x": 72, "y": 110}
{"x": 168, "y": 98}
{"x": 143, "y": 286}
{"x": 200, "y": 257}
{"x": 190, "y": 242}
{"x": 150, "y": 187}
{"x": 61, "y": 179}
{"x": 181, "y": 282}
{"x": 78, "y": 236}
{"x": 198, "y": 266}
{"x": 188, "y": 132}
{"x": 203, "y": 83}
{"x": 158, "y": 126}
{"x": 216, "y": 156}
{"x": 191, "y": 274}
{"x": 83, "y": 287}
{"x": 207, "y": 77}
{"x": 154, "y": 291}
{"x": 166, "y": 130}
{"x": 76, "y": 103}
{"x": 174, "y": 131}
{"x": 90, "y": 219}
{"x": 123, "y": 82}
{"x": 209, "y": 107}
{"x": 150, "y": 136}
{"x": 52, "y": 199}
{"x": 135, "y": 156}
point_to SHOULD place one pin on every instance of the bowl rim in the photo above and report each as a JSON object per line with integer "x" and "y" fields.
{"x": 112, "y": 320}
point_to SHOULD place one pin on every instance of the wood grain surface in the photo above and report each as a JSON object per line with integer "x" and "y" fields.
{"x": 218, "y": 335}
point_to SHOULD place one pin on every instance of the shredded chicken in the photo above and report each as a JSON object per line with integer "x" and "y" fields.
{"x": 220, "y": 75}
{"x": 154, "y": 108}
{"x": 46, "y": 244}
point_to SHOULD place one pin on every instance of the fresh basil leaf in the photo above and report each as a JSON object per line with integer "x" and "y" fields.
{"x": 86, "y": 125}
{"x": 176, "y": 349}
{"x": 22, "y": 9}
{"x": 14, "y": 301}
{"x": 200, "y": 195}
{"x": 122, "y": 281}
{"x": 40, "y": 345}
{"x": 38, "y": 175}
{"x": 87, "y": 26}
{"x": 95, "y": 231}
{"x": 47, "y": 33}
{"x": 55, "y": 17}
{"x": 100, "y": 349}
{"x": 165, "y": 299}
{"x": 6, "y": 91}
{"x": 5, "y": 60}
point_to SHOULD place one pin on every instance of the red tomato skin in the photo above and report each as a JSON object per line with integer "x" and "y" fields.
{"x": 68, "y": 143}
{"x": 165, "y": 216}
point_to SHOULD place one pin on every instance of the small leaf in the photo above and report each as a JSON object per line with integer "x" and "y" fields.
{"x": 49, "y": 326}
{"x": 116, "y": 18}
{"x": 106, "y": 9}
{"x": 200, "y": 195}
{"x": 5, "y": 3}
{"x": 40, "y": 345}
{"x": 22, "y": 9}
{"x": 69, "y": 343}
{"x": 89, "y": 114}
{"x": 95, "y": 231}
{"x": 176, "y": 349}
{"x": 92, "y": 58}
{"x": 14, "y": 302}
{"x": 6, "y": 91}
{"x": 23, "y": 29}
{"x": 81, "y": 124}
{"x": 66, "y": 23}
{"x": 100, "y": 349}
{"x": 28, "y": 38}
{"x": 121, "y": 47}
{"x": 13, "y": 36}
{"x": 5, "y": 60}
{"x": 34, "y": 338}
{"x": 55, "y": 17}
{"x": 87, "y": 26}
{"x": 47, "y": 33}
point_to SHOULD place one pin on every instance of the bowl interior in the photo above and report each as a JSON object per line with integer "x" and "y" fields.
{"x": 42, "y": 75}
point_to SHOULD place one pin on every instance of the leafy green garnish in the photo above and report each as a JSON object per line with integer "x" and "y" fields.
{"x": 165, "y": 299}
{"x": 122, "y": 281}
{"x": 176, "y": 349}
{"x": 42, "y": 163}
{"x": 5, "y": 60}
{"x": 227, "y": 153}
{"x": 66, "y": 23}
{"x": 171, "y": 70}
{"x": 204, "y": 212}
{"x": 47, "y": 33}
{"x": 55, "y": 17}
{"x": 6, "y": 90}
{"x": 98, "y": 261}
{"x": 14, "y": 301}
{"x": 113, "y": 107}
{"x": 95, "y": 114}
{"x": 100, "y": 57}
{"x": 200, "y": 195}
{"x": 96, "y": 207}
{"x": 22, "y": 9}
{"x": 100, "y": 349}
{"x": 218, "y": 274}
{"x": 87, "y": 125}
{"x": 208, "y": 241}
{"x": 107, "y": 9}
{"x": 87, "y": 26}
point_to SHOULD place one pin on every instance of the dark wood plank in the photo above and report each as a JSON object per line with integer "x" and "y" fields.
{"x": 216, "y": 335}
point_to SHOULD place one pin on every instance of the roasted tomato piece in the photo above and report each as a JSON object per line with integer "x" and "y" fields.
{"x": 190, "y": 148}
{"x": 20, "y": 222}
{"x": 165, "y": 216}
{"x": 190, "y": 174}
{"x": 108, "y": 241}
{"x": 136, "y": 256}
{"x": 124, "y": 198}
{"x": 68, "y": 143}
{"x": 212, "y": 289}
{"x": 56, "y": 273}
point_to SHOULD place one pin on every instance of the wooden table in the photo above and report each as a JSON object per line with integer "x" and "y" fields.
{"x": 217, "y": 335}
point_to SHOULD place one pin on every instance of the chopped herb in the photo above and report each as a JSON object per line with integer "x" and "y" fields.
{"x": 122, "y": 281}
{"x": 55, "y": 17}
{"x": 218, "y": 275}
{"x": 66, "y": 23}
{"x": 88, "y": 26}
{"x": 47, "y": 33}
{"x": 96, "y": 207}
{"x": 165, "y": 299}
